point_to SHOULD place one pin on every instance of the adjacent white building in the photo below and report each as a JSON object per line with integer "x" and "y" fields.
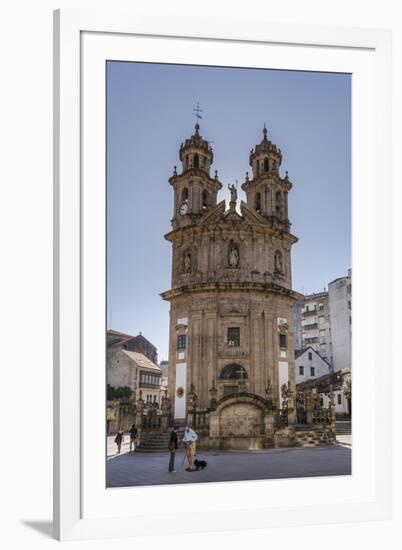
{"x": 164, "y": 365}
{"x": 340, "y": 304}
{"x": 323, "y": 321}
{"x": 312, "y": 324}
{"x": 310, "y": 365}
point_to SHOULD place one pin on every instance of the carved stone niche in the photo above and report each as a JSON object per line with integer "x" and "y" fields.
{"x": 187, "y": 261}
{"x": 233, "y": 255}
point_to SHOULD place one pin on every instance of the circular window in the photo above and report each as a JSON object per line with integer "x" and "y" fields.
{"x": 179, "y": 392}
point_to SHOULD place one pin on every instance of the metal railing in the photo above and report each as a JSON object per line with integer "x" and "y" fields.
{"x": 282, "y": 418}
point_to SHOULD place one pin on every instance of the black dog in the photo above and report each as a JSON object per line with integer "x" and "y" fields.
{"x": 200, "y": 464}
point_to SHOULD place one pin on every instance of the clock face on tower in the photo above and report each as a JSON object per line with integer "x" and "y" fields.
{"x": 183, "y": 208}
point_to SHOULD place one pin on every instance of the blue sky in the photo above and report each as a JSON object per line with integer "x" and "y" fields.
{"x": 150, "y": 112}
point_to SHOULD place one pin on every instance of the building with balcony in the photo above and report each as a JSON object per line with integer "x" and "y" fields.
{"x": 312, "y": 324}
{"x": 131, "y": 369}
{"x": 323, "y": 321}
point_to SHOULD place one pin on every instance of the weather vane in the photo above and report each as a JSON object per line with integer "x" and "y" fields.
{"x": 197, "y": 110}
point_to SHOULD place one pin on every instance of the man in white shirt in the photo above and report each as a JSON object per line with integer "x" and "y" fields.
{"x": 189, "y": 439}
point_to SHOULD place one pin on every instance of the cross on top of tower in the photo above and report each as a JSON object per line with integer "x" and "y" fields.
{"x": 197, "y": 113}
{"x": 197, "y": 110}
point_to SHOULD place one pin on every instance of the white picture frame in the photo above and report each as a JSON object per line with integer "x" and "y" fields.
{"x": 83, "y": 507}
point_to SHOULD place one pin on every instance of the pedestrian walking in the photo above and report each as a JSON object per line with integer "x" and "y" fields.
{"x": 133, "y": 437}
{"x": 189, "y": 439}
{"x": 119, "y": 439}
{"x": 173, "y": 448}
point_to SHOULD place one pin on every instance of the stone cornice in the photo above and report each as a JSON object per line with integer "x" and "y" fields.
{"x": 221, "y": 225}
{"x": 194, "y": 172}
{"x": 269, "y": 288}
{"x": 267, "y": 178}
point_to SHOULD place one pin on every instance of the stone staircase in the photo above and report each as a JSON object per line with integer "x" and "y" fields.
{"x": 343, "y": 427}
{"x": 307, "y": 438}
{"x": 157, "y": 443}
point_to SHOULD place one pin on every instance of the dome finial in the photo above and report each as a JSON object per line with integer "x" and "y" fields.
{"x": 265, "y": 132}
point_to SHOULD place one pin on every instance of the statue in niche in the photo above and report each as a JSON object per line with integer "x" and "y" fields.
{"x": 233, "y": 255}
{"x": 278, "y": 262}
{"x": 187, "y": 262}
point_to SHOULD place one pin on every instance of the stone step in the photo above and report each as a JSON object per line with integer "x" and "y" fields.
{"x": 146, "y": 450}
{"x": 344, "y": 428}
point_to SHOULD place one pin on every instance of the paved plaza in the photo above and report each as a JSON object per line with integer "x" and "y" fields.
{"x": 130, "y": 469}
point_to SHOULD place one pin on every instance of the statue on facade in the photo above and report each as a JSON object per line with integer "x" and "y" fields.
{"x": 187, "y": 262}
{"x": 192, "y": 397}
{"x": 213, "y": 393}
{"x": 165, "y": 406}
{"x": 233, "y": 255}
{"x": 278, "y": 262}
{"x": 269, "y": 390}
{"x": 233, "y": 192}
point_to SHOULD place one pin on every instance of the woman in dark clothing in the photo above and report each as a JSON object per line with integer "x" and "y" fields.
{"x": 173, "y": 448}
{"x": 119, "y": 439}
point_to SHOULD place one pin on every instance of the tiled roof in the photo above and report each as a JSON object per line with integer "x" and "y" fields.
{"x": 323, "y": 382}
{"x": 112, "y": 332}
{"x": 141, "y": 360}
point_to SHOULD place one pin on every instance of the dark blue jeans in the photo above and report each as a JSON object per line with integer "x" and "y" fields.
{"x": 171, "y": 461}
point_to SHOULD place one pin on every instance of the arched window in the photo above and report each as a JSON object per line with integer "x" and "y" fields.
{"x": 278, "y": 261}
{"x": 266, "y": 165}
{"x": 258, "y": 202}
{"x": 205, "y": 200}
{"x": 184, "y": 194}
{"x": 196, "y": 161}
{"x": 233, "y": 372}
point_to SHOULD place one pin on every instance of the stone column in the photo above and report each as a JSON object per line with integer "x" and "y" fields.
{"x": 269, "y": 422}
{"x": 140, "y": 409}
{"x": 332, "y": 413}
{"x": 309, "y": 408}
{"x": 291, "y": 405}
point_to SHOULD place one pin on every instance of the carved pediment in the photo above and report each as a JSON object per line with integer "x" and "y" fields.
{"x": 232, "y": 216}
{"x": 250, "y": 216}
{"x": 214, "y": 215}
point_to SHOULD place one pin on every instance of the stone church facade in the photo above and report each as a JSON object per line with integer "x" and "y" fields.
{"x": 231, "y": 359}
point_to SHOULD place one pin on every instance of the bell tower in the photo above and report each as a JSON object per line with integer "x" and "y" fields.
{"x": 267, "y": 191}
{"x": 195, "y": 192}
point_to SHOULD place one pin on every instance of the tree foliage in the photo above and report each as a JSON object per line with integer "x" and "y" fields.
{"x": 118, "y": 393}
{"x": 347, "y": 386}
